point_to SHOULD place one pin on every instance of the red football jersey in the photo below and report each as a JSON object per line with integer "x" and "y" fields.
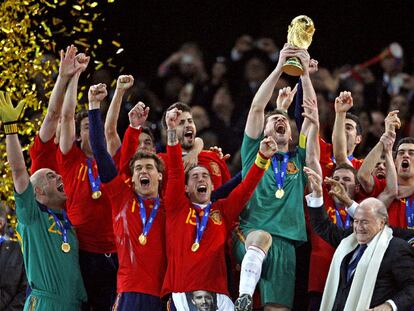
{"x": 396, "y": 213}
{"x": 206, "y": 268}
{"x": 141, "y": 267}
{"x": 128, "y": 149}
{"x": 43, "y": 155}
{"x": 91, "y": 218}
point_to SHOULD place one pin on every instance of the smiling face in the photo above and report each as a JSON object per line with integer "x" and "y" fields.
{"x": 186, "y": 130}
{"x": 278, "y": 127}
{"x": 199, "y": 185}
{"x": 48, "y": 186}
{"x": 203, "y": 300}
{"x": 347, "y": 179}
{"x": 146, "y": 177}
{"x": 367, "y": 222}
{"x": 404, "y": 161}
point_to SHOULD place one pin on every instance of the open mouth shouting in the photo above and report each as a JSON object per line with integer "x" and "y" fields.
{"x": 280, "y": 129}
{"x": 189, "y": 134}
{"x": 405, "y": 165}
{"x": 60, "y": 187}
{"x": 202, "y": 189}
{"x": 144, "y": 182}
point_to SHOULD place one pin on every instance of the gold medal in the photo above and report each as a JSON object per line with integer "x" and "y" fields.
{"x": 195, "y": 247}
{"x": 279, "y": 193}
{"x": 96, "y": 195}
{"x": 142, "y": 239}
{"x": 65, "y": 247}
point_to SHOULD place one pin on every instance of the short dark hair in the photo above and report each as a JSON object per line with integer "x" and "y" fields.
{"x": 187, "y": 174}
{"x": 159, "y": 164}
{"x": 275, "y": 112}
{"x": 80, "y": 115}
{"x": 147, "y": 130}
{"x": 180, "y": 106}
{"x": 356, "y": 120}
{"x": 405, "y": 140}
{"x": 346, "y": 166}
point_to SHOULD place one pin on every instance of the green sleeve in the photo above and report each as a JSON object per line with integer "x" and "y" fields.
{"x": 27, "y": 209}
{"x": 249, "y": 150}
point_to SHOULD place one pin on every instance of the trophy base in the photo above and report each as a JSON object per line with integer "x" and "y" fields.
{"x": 293, "y": 67}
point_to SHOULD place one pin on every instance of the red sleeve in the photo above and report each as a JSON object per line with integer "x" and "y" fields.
{"x": 237, "y": 199}
{"x": 43, "y": 155}
{"x": 128, "y": 148}
{"x": 326, "y": 152}
{"x": 379, "y": 186}
{"x": 116, "y": 190}
{"x": 175, "y": 192}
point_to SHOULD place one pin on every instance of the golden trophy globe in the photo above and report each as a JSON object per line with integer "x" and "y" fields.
{"x": 300, "y": 34}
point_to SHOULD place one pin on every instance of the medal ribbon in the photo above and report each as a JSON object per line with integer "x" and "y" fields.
{"x": 146, "y": 225}
{"x": 339, "y": 221}
{"x": 350, "y": 158}
{"x": 63, "y": 228}
{"x": 409, "y": 212}
{"x": 280, "y": 173}
{"x": 2, "y": 239}
{"x": 94, "y": 182}
{"x": 201, "y": 228}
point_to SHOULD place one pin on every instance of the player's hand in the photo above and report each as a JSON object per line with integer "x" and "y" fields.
{"x": 81, "y": 62}
{"x": 124, "y": 82}
{"x": 97, "y": 93}
{"x": 268, "y": 147}
{"x": 285, "y": 97}
{"x": 67, "y": 66}
{"x": 388, "y": 140}
{"x": 383, "y": 307}
{"x": 138, "y": 115}
{"x": 313, "y": 66}
{"x": 9, "y": 113}
{"x": 315, "y": 181}
{"x": 343, "y": 102}
{"x": 392, "y": 121}
{"x": 338, "y": 191}
{"x": 171, "y": 118}
{"x": 220, "y": 153}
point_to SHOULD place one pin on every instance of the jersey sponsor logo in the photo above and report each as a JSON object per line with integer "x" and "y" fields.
{"x": 291, "y": 168}
{"x": 215, "y": 169}
{"x": 216, "y": 217}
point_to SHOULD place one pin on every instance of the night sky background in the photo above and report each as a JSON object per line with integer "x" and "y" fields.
{"x": 346, "y": 31}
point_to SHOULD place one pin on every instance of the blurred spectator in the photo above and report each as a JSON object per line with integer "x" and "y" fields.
{"x": 13, "y": 281}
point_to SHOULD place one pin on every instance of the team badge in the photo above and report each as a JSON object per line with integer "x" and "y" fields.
{"x": 216, "y": 217}
{"x": 215, "y": 169}
{"x": 291, "y": 168}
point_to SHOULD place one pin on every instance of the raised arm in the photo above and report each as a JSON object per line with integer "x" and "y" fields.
{"x": 365, "y": 177}
{"x": 313, "y": 149}
{"x": 255, "y": 119}
{"x": 68, "y": 134}
{"x": 343, "y": 103}
{"x": 106, "y": 166}
{"x": 391, "y": 189}
{"x": 113, "y": 140}
{"x": 10, "y": 116}
{"x": 67, "y": 69}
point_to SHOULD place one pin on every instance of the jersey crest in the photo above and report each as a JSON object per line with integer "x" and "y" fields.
{"x": 215, "y": 169}
{"x": 215, "y": 216}
{"x": 291, "y": 168}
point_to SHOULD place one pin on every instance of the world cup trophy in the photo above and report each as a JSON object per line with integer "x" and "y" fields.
{"x": 300, "y": 34}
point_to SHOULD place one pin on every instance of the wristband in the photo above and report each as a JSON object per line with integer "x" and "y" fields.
{"x": 261, "y": 161}
{"x": 10, "y": 128}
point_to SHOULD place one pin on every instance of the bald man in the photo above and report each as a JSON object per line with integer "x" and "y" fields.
{"x": 47, "y": 238}
{"x": 371, "y": 269}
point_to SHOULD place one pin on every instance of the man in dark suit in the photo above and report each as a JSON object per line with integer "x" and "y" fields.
{"x": 394, "y": 276}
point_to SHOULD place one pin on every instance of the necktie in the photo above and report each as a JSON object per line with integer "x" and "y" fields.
{"x": 354, "y": 262}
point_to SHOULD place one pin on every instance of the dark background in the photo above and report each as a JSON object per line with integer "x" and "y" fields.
{"x": 346, "y": 31}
